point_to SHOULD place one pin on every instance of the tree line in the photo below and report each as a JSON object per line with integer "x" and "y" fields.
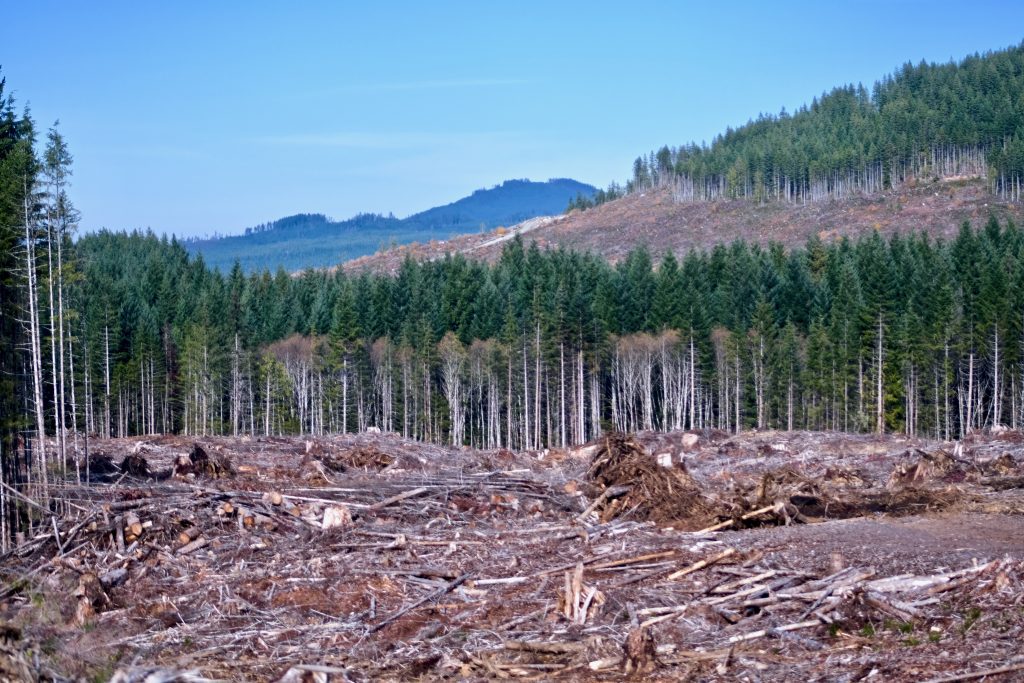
{"x": 39, "y": 316}
{"x": 923, "y": 121}
{"x": 549, "y": 348}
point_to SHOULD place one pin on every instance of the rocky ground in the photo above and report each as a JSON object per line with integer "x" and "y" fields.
{"x": 684, "y": 556}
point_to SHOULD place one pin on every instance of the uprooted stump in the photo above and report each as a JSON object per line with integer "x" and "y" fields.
{"x": 784, "y": 496}
{"x": 652, "y": 491}
{"x": 779, "y": 497}
{"x": 135, "y": 465}
{"x": 639, "y": 652}
{"x": 923, "y": 466}
{"x": 101, "y": 468}
{"x": 205, "y": 466}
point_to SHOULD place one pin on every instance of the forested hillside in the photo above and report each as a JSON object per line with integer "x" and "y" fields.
{"x": 923, "y": 121}
{"x": 658, "y": 220}
{"x": 313, "y": 240}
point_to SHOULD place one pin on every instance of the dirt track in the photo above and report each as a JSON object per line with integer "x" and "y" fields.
{"x": 906, "y": 544}
{"x": 374, "y": 558}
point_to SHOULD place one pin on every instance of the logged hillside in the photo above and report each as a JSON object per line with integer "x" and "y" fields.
{"x": 314, "y": 240}
{"x": 928, "y": 120}
{"x": 657, "y": 220}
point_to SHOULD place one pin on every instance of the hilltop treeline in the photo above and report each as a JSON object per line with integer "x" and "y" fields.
{"x": 925, "y": 120}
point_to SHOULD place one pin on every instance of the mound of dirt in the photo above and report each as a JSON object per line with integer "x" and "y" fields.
{"x": 651, "y": 491}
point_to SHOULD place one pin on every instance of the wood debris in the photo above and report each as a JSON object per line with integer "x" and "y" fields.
{"x": 456, "y": 564}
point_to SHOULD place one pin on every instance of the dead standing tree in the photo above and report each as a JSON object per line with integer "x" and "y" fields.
{"x": 453, "y": 359}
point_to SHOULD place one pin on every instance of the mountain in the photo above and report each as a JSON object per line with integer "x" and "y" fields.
{"x": 925, "y": 149}
{"x": 313, "y": 240}
{"x": 511, "y": 202}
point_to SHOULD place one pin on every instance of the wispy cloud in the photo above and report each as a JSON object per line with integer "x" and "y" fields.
{"x": 441, "y": 84}
{"x": 397, "y": 140}
{"x": 418, "y": 86}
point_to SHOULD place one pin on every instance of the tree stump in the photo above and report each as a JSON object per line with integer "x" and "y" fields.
{"x": 640, "y": 652}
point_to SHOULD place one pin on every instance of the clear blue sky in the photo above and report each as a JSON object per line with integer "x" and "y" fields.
{"x": 194, "y": 117}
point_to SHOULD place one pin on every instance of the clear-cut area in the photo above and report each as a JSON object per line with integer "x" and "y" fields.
{"x": 683, "y": 556}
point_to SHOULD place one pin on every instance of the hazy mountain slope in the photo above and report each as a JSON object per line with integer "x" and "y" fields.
{"x": 511, "y": 202}
{"x": 663, "y": 224}
{"x": 313, "y": 240}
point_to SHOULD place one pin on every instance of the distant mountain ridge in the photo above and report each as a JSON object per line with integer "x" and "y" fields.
{"x": 312, "y": 240}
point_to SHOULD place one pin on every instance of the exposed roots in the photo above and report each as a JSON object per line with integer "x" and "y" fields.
{"x": 652, "y": 492}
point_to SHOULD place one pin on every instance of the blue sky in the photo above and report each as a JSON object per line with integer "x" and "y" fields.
{"x": 195, "y": 117}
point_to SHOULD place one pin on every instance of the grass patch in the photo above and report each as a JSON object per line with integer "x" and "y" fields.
{"x": 971, "y": 617}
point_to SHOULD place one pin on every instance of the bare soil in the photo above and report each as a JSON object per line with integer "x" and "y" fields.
{"x": 661, "y": 223}
{"x": 684, "y": 556}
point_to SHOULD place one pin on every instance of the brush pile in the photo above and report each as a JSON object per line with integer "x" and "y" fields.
{"x": 631, "y": 482}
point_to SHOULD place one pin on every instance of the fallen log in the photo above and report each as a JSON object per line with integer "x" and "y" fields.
{"x": 697, "y": 566}
{"x": 188, "y": 535}
{"x": 754, "y": 635}
{"x": 400, "y": 497}
{"x": 545, "y": 648}
{"x": 195, "y": 545}
{"x": 775, "y": 507}
{"x": 447, "y": 588}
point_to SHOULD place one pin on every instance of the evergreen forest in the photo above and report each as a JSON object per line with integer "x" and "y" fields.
{"x": 548, "y": 348}
{"x": 923, "y": 121}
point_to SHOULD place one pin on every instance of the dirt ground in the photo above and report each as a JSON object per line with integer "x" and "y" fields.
{"x": 658, "y": 221}
{"x": 917, "y": 544}
{"x": 698, "y": 556}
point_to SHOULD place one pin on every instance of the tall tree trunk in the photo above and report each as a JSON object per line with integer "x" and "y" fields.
{"x": 35, "y": 347}
{"x": 880, "y": 394}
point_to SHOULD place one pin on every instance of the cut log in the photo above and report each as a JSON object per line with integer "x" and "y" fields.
{"x": 188, "y": 535}
{"x": 697, "y": 566}
{"x": 754, "y": 635}
{"x": 607, "y": 494}
{"x": 400, "y": 497}
{"x": 545, "y": 648}
{"x": 195, "y": 545}
{"x": 336, "y": 517}
{"x": 132, "y": 527}
{"x": 775, "y": 507}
